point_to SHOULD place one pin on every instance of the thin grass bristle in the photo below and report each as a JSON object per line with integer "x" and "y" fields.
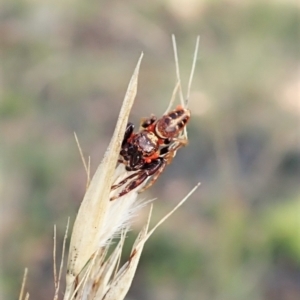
{"x": 172, "y": 100}
{"x": 54, "y": 260}
{"x": 192, "y": 71}
{"x": 177, "y": 70}
{"x": 57, "y": 279}
{"x": 185, "y": 102}
{"x": 86, "y": 165}
{"x": 23, "y": 285}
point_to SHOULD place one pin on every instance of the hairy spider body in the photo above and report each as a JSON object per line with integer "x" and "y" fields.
{"x": 138, "y": 148}
{"x": 148, "y": 151}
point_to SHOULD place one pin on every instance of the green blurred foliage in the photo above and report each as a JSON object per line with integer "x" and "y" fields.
{"x": 282, "y": 225}
{"x": 65, "y": 67}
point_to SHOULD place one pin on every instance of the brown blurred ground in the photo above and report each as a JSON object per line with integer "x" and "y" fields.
{"x": 65, "y": 66}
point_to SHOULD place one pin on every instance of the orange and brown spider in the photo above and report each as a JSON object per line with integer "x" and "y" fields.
{"x": 148, "y": 151}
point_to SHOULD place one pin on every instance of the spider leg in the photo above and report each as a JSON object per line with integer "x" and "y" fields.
{"x": 146, "y": 122}
{"x": 128, "y": 133}
{"x": 142, "y": 175}
{"x": 180, "y": 143}
{"x": 122, "y": 182}
{"x": 155, "y": 177}
{"x": 155, "y": 167}
{"x": 169, "y": 153}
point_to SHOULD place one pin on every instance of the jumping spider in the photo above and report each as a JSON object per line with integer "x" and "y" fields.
{"x": 150, "y": 150}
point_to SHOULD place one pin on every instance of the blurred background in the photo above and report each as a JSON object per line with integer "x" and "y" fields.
{"x": 65, "y": 66}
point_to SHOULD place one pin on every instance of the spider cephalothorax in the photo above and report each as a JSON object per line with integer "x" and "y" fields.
{"x": 138, "y": 148}
{"x": 148, "y": 151}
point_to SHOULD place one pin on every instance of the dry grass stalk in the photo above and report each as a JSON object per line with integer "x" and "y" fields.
{"x": 91, "y": 274}
{"x": 98, "y": 219}
{"x": 23, "y": 286}
{"x": 57, "y": 279}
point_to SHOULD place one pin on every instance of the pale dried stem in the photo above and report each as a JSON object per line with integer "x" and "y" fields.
{"x": 82, "y": 281}
{"x": 185, "y": 102}
{"x": 172, "y": 100}
{"x": 89, "y": 172}
{"x": 97, "y": 222}
{"x": 91, "y": 274}
{"x": 177, "y": 69}
{"x": 23, "y": 284}
{"x": 57, "y": 280}
{"x": 122, "y": 282}
{"x": 86, "y": 166}
{"x": 192, "y": 70}
{"x": 123, "y": 236}
{"x": 99, "y": 277}
{"x": 54, "y": 259}
{"x": 171, "y": 212}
